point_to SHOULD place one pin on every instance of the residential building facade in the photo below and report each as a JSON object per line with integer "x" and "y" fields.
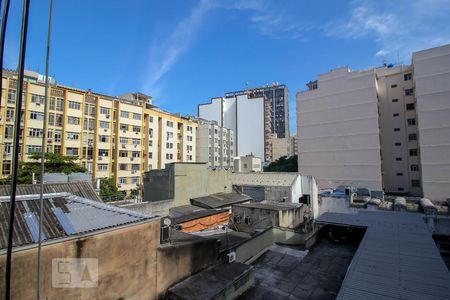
{"x": 248, "y": 163}
{"x": 249, "y": 118}
{"x": 278, "y": 97}
{"x": 293, "y": 145}
{"x": 214, "y": 144}
{"x": 112, "y": 137}
{"x": 381, "y": 128}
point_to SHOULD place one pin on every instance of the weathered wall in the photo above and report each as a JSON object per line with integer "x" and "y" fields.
{"x": 195, "y": 180}
{"x": 178, "y": 261}
{"x": 208, "y": 222}
{"x": 130, "y": 250}
{"x": 158, "y": 184}
{"x": 291, "y": 218}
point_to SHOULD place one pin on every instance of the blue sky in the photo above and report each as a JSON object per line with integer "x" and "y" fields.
{"x": 184, "y": 52}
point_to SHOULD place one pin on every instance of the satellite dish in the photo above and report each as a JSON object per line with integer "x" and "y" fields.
{"x": 167, "y": 222}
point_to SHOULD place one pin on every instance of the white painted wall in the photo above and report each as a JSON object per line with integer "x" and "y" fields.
{"x": 338, "y": 130}
{"x": 250, "y": 126}
{"x": 211, "y": 111}
{"x": 432, "y": 81}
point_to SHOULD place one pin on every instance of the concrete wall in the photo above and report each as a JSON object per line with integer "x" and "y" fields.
{"x": 125, "y": 270}
{"x": 183, "y": 181}
{"x": 131, "y": 264}
{"x": 154, "y": 208}
{"x": 432, "y": 81}
{"x": 338, "y": 130}
{"x": 250, "y": 126}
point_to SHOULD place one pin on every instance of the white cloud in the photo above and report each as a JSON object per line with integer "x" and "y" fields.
{"x": 164, "y": 54}
{"x": 398, "y": 28}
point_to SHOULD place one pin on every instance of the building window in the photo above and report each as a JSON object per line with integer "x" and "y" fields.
{"x": 396, "y": 129}
{"x": 411, "y": 121}
{"x": 35, "y": 132}
{"x": 393, "y": 86}
{"x": 124, "y": 114}
{"x": 104, "y": 139}
{"x": 398, "y": 144}
{"x": 135, "y": 167}
{"x": 34, "y": 149}
{"x": 103, "y": 152}
{"x": 37, "y": 99}
{"x": 134, "y": 180}
{"x": 73, "y": 136}
{"x": 412, "y": 152}
{"x": 414, "y": 168}
{"x": 59, "y": 120}
{"x": 136, "y": 128}
{"x": 169, "y": 145}
{"x": 136, "y": 142}
{"x": 102, "y": 167}
{"x": 123, "y": 153}
{"x": 407, "y": 76}
{"x": 74, "y": 105}
{"x": 58, "y": 136}
{"x": 137, "y": 116}
{"x": 412, "y": 137}
{"x": 59, "y": 104}
{"x": 150, "y": 119}
{"x": 169, "y": 135}
{"x": 123, "y": 167}
{"x": 400, "y": 174}
{"x": 104, "y": 125}
{"x": 189, "y": 138}
{"x": 169, "y": 124}
{"x": 415, "y": 183}
{"x": 135, "y": 154}
{"x": 398, "y": 158}
{"x": 11, "y": 96}
{"x": 73, "y": 120}
{"x": 409, "y": 92}
{"x": 169, "y": 156}
{"x": 123, "y": 140}
{"x": 410, "y": 106}
{"x": 104, "y": 110}
{"x": 394, "y": 100}
{"x": 35, "y": 115}
{"x": 72, "y": 151}
{"x": 122, "y": 180}
{"x": 400, "y": 189}
{"x": 395, "y": 115}
{"x": 123, "y": 127}
{"x": 150, "y": 155}
{"x": 6, "y": 167}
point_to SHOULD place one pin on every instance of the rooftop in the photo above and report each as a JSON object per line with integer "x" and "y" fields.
{"x": 265, "y": 178}
{"x": 396, "y": 259}
{"x": 219, "y": 200}
{"x": 81, "y": 189}
{"x": 271, "y": 205}
{"x": 64, "y": 215}
{"x": 189, "y": 212}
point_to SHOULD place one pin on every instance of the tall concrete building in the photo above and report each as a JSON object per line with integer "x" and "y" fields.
{"x": 248, "y": 117}
{"x": 278, "y": 96}
{"x": 293, "y": 145}
{"x": 381, "y": 128}
{"x": 214, "y": 144}
{"x": 112, "y": 137}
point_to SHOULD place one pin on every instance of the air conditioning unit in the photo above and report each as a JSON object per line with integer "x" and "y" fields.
{"x": 119, "y": 185}
{"x": 137, "y": 132}
{"x": 107, "y": 116}
{"x": 237, "y": 219}
{"x": 105, "y": 130}
{"x": 38, "y": 104}
{"x": 135, "y": 145}
{"x": 133, "y": 171}
{"x": 132, "y": 158}
{"x": 124, "y": 131}
{"x": 100, "y": 158}
{"x": 231, "y": 257}
{"x": 247, "y": 220}
{"x": 49, "y": 140}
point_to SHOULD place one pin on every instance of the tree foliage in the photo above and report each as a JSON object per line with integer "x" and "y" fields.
{"x": 54, "y": 163}
{"x": 283, "y": 164}
{"x": 109, "y": 191}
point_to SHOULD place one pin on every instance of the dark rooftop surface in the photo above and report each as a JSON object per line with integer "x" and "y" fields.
{"x": 271, "y": 205}
{"x": 210, "y": 282}
{"x": 396, "y": 259}
{"x": 81, "y": 189}
{"x": 288, "y": 273}
{"x": 196, "y": 215}
{"x": 64, "y": 215}
{"x": 220, "y": 200}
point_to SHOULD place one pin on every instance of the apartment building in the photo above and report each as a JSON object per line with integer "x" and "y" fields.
{"x": 293, "y": 145}
{"x": 248, "y": 117}
{"x": 112, "y": 137}
{"x": 214, "y": 145}
{"x": 381, "y": 128}
{"x": 278, "y": 98}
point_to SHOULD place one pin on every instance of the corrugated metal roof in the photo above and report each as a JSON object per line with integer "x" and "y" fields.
{"x": 396, "y": 259}
{"x": 64, "y": 215}
{"x": 264, "y": 178}
{"x": 83, "y": 189}
{"x": 219, "y": 200}
{"x": 271, "y": 205}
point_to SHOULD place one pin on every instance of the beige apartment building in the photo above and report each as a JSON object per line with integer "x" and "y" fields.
{"x": 384, "y": 128}
{"x": 113, "y": 137}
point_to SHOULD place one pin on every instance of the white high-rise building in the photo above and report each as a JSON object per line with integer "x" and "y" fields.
{"x": 382, "y": 128}
{"x": 214, "y": 144}
{"x": 249, "y": 119}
